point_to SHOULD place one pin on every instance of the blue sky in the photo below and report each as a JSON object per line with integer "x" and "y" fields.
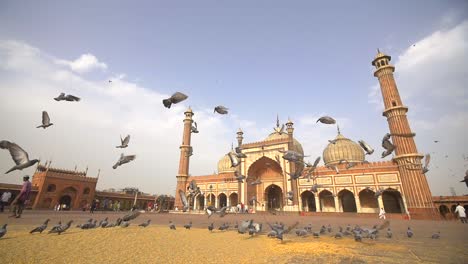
{"x": 258, "y": 58}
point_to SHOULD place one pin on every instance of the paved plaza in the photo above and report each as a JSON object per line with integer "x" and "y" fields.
{"x": 158, "y": 244}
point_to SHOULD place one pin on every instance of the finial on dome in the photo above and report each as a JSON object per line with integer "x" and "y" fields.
{"x": 277, "y": 121}
{"x": 338, "y": 127}
{"x": 378, "y": 50}
{"x": 240, "y": 131}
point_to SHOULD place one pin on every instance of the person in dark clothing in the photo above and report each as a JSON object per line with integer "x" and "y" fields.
{"x": 22, "y": 199}
{"x": 93, "y": 206}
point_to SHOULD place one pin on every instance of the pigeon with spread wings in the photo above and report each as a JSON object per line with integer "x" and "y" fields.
{"x": 19, "y": 156}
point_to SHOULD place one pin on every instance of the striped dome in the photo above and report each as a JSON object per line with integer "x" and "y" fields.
{"x": 343, "y": 149}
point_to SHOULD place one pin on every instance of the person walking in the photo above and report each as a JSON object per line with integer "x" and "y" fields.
{"x": 4, "y": 200}
{"x": 382, "y": 214}
{"x": 22, "y": 199}
{"x": 93, "y": 206}
{"x": 461, "y": 213}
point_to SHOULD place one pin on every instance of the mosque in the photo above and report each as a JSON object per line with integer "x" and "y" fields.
{"x": 405, "y": 187}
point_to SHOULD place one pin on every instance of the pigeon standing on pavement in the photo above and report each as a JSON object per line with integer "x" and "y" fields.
{"x": 19, "y": 156}
{"x": 145, "y": 224}
{"x": 436, "y": 235}
{"x": 40, "y": 228}
{"x": 172, "y": 226}
{"x": 409, "y": 232}
{"x": 188, "y": 226}
{"x": 45, "y": 120}
{"x": 3, "y": 230}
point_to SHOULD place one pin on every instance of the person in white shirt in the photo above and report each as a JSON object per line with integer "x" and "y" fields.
{"x": 4, "y": 200}
{"x": 461, "y": 213}
{"x": 382, "y": 214}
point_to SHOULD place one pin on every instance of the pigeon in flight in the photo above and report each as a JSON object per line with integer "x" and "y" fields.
{"x": 290, "y": 195}
{"x": 239, "y": 153}
{"x": 19, "y": 156}
{"x": 123, "y": 159}
{"x": 368, "y": 149}
{"x": 189, "y": 152}
{"x": 194, "y": 128}
{"x": 174, "y": 99}
{"x": 45, "y": 120}
{"x": 145, "y": 224}
{"x": 387, "y": 145}
{"x": 40, "y": 228}
{"x": 378, "y": 193}
{"x": 185, "y": 203}
{"x": 124, "y": 142}
{"x": 234, "y": 159}
{"x": 239, "y": 178}
{"x": 3, "y": 230}
{"x": 210, "y": 210}
{"x": 256, "y": 182}
{"x": 427, "y": 159}
{"x": 291, "y": 155}
{"x": 326, "y": 120}
{"x": 68, "y": 97}
{"x": 221, "y": 110}
{"x": 315, "y": 187}
{"x": 466, "y": 178}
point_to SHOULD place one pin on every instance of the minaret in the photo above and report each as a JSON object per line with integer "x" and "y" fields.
{"x": 240, "y": 137}
{"x": 292, "y": 165}
{"x": 184, "y": 157}
{"x": 416, "y": 189}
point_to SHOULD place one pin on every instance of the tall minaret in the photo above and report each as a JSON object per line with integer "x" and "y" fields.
{"x": 184, "y": 157}
{"x": 240, "y": 137}
{"x": 292, "y": 165}
{"x": 416, "y": 189}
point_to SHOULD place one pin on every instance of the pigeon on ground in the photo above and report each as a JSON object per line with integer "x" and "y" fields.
{"x": 409, "y": 232}
{"x": 323, "y": 229}
{"x": 172, "y": 226}
{"x": 329, "y": 228}
{"x": 40, "y": 228}
{"x": 326, "y": 120}
{"x": 368, "y": 149}
{"x": 132, "y": 215}
{"x": 68, "y": 97}
{"x": 145, "y": 224}
{"x": 174, "y": 99}
{"x": 123, "y": 159}
{"x": 188, "y": 226}
{"x": 104, "y": 223}
{"x": 55, "y": 227}
{"x": 301, "y": 232}
{"x": 194, "y": 128}
{"x": 389, "y": 233}
{"x": 124, "y": 224}
{"x": 223, "y": 227}
{"x": 45, "y": 120}
{"x": 124, "y": 142}
{"x": 339, "y": 235}
{"x": 211, "y": 227}
{"x": 357, "y": 237}
{"x": 280, "y": 231}
{"x": 3, "y": 230}
{"x": 61, "y": 228}
{"x": 436, "y": 235}
{"x": 19, "y": 156}
{"x": 221, "y": 110}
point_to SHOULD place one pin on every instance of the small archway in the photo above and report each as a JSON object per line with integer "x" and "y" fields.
{"x": 51, "y": 188}
{"x": 66, "y": 200}
{"x": 327, "y": 201}
{"x": 347, "y": 201}
{"x": 211, "y": 199}
{"x": 274, "y": 197}
{"x": 222, "y": 200}
{"x": 308, "y": 201}
{"x": 393, "y": 203}
{"x": 233, "y": 199}
{"x": 200, "y": 202}
{"x": 368, "y": 201}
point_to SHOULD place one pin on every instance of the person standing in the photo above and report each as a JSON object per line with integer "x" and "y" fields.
{"x": 461, "y": 213}
{"x": 382, "y": 214}
{"x": 4, "y": 200}
{"x": 93, "y": 206}
{"x": 22, "y": 199}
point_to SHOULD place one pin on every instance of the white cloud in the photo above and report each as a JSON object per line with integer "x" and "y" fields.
{"x": 85, "y": 63}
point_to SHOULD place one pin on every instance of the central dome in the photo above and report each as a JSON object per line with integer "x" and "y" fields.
{"x": 277, "y": 135}
{"x": 224, "y": 165}
{"x": 343, "y": 149}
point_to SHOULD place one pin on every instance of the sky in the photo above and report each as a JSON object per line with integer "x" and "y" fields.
{"x": 300, "y": 60}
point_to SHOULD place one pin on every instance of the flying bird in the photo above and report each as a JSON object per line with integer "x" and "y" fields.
{"x": 221, "y": 110}
{"x": 326, "y": 120}
{"x": 427, "y": 159}
{"x": 68, "y": 97}
{"x": 210, "y": 210}
{"x": 123, "y": 159}
{"x": 466, "y": 178}
{"x": 194, "y": 128}
{"x": 368, "y": 149}
{"x": 290, "y": 195}
{"x": 239, "y": 178}
{"x": 256, "y": 182}
{"x": 19, "y": 156}
{"x": 189, "y": 152}
{"x": 185, "y": 203}
{"x": 234, "y": 159}
{"x": 174, "y": 99}
{"x": 45, "y": 120}
{"x": 315, "y": 187}
{"x": 40, "y": 228}
{"x": 124, "y": 142}
{"x": 388, "y": 146}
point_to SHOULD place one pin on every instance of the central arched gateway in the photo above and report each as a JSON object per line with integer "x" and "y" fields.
{"x": 66, "y": 200}
{"x": 264, "y": 170}
{"x": 67, "y": 197}
{"x": 274, "y": 197}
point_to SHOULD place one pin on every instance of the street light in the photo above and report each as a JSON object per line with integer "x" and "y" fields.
{"x": 211, "y": 193}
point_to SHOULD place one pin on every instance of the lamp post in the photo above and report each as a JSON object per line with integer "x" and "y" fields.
{"x": 211, "y": 193}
